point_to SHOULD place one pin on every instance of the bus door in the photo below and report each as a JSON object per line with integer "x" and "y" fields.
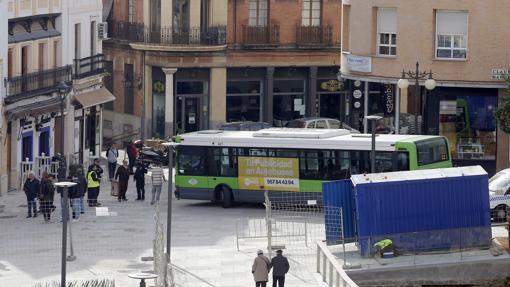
{"x": 223, "y": 168}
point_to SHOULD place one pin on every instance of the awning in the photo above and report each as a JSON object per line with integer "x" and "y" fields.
{"x": 34, "y": 109}
{"x": 94, "y": 97}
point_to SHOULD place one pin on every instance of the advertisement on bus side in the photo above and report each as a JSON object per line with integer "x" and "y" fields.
{"x": 268, "y": 173}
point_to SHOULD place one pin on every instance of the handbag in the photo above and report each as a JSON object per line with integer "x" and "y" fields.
{"x": 115, "y": 189}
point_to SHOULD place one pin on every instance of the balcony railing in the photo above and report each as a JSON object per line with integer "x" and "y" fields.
{"x": 89, "y": 66}
{"x": 137, "y": 32}
{"x": 314, "y": 35}
{"x": 261, "y": 35}
{"x": 36, "y": 83}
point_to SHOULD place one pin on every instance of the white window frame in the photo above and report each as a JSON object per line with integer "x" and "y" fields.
{"x": 307, "y": 9}
{"x": 452, "y": 47}
{"x": 391, "y": 43}
{"x": 259, "y": 20}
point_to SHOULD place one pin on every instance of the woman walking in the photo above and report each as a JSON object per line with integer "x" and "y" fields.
{"x": 46, "y": 196}
{"x": 122, "y": 175}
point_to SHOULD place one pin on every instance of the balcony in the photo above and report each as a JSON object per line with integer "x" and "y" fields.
{"x": 261, "y": 35}
{"x": 89, "y": 66}
{"x": 37, "y": 83}
{"x": 314, "y": 36}
{"x": 139, "y": 33}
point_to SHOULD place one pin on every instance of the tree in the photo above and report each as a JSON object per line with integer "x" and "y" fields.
{"x": 503, "y": 111}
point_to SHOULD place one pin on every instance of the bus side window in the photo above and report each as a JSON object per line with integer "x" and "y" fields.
{"x": 191, "y": 161}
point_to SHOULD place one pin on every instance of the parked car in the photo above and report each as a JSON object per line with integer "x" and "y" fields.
{"x": 245, "y": 126}
{"x": 499, "y": 194}
{"x": 319, "y": 123}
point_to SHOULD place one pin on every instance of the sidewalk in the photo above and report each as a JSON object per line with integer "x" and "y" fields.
{"x": 203, "y": 243}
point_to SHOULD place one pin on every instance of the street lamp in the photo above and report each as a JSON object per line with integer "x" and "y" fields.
{"x": 430, "y": 84}
{"x": 170, "y": 146}
{"x": 63, "y": 90}
{"x": 373, "y": 120}
{"x": 65, "y": 216}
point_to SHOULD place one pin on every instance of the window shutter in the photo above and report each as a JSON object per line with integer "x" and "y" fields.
{"x": 387, "y": 20}
{"x": 451, "y": 22}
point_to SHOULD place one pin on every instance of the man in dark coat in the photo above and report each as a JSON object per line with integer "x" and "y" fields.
{"x": 122, "y": 175}
{"x": 139, "y": 178}
{"x": 31, "y": 189}
{"x": 46, "y": 196}
{"x": 280, "y": 266}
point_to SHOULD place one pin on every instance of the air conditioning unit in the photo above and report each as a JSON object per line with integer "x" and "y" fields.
{"x": 102, "y": 30}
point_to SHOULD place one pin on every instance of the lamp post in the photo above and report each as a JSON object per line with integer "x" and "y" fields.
{"x": 65, "y": 217}
{"x": 171, "y": 146}
{"x": 373, "y": 120}
{"x": 63, "y": 91}
{"x": 417, "y": 75}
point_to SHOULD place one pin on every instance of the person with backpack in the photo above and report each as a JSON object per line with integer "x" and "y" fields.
{"x": 139, "y": 178}
{"x": 78, "y": 194}
{"x": 112, "y": 154}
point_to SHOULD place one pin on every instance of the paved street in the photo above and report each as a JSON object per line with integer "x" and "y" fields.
{"x": 203, "y": 245}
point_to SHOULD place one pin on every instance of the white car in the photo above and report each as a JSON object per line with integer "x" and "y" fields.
{"x": 499, "y": 194}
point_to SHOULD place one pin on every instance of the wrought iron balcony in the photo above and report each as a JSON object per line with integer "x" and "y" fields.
{"x": 261, "y": 35}
{"x": 314, "y": 35}
{"x": 37, "y": 83}
{"x": 89, "y": 66}
{"x": 138, "y": 32}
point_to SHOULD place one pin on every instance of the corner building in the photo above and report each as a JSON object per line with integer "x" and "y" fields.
{"x": 196, "y": 64}
{"x": 461, "y": 43}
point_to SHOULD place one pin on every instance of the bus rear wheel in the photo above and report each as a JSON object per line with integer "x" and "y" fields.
{"x": 226, "y": 195}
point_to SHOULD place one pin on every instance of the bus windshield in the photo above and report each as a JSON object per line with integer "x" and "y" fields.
{"x": 431, "y": 151}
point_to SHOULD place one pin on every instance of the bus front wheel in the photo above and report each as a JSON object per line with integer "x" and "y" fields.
{"x": 500, "y": 213}
{"x": 226, "y": 195}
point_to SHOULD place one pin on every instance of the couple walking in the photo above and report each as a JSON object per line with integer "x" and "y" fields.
{"x": 262, "y": 266}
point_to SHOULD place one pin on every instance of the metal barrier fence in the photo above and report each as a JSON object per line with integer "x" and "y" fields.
{"x": 39, "y": 165}
{"x": 331, "y": 271}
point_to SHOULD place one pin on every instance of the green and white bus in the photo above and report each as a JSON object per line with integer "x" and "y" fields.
{"x": 228, "y": 166}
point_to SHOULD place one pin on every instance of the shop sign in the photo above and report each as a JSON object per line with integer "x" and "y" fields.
{"x": 263, "y": 173}
{"x": 331, "y": 85}
{"x": 359, "y": 63}
{"x": 389, "y": 100}
{"x": 500, "y": 74}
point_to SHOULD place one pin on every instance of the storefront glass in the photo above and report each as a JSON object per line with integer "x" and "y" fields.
{"x": 288, "y": 101}
{"x": 382, "y": 103}
{"x": 158, "y": 109}
{"x": 328, "y": 99}
{"x": 243, "y": 101}
{"x": 470, "y": 126}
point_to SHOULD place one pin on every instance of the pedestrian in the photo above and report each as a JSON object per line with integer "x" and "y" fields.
{"x": 77, "y": 195}
{"x": 280, "y": 266}
{"x": 93, "y": 185}
{"x": 112, "y": 154}
{"x": 46, "y": 196}
{"x": 132, "y": 152}
{"x": 31, "y": 189}
{"x": 260, "y": 269}
{"x": 139, "y": 178}
{"x": 99, "y": 169}
{"x": 157, "y": 178}
{"x": 122, "y": 175}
